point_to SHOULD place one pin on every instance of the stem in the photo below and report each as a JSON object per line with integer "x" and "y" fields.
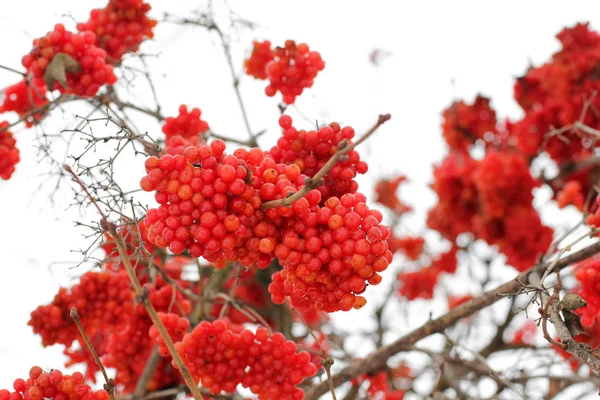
{"x": 110, "y": 384}
{"x": 326, "y": 361}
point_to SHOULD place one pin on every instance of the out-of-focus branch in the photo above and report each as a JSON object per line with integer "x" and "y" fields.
{"x": 377, "y": 360}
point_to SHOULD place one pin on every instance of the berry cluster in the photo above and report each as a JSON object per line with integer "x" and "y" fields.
{"x": 588, "y": 275}
{"x": 223, "y": 355}
{"x": 329, "y": 254}
{"x": 385, "y": 191}
{"x": 310, "y": 150}
{"x": 464, "y": 124}
{"x": 211, "y": 206}
{"x": 491, "y": 198}
{"x": 52, "y": 385}
{"x": 176, "y": 326}
{"x": 256, "y": 65}
{"x": 571, "y": 194}
{"x": 421, "y": 283}
{"x": 23, "y": 98}
{"x": 9, "y": 154}
{"x": 556, "y": 94}
{"x": 120, "y": 27}
{"x": 116, "y": 325}
{"x": 380, "y": 388}
{"x": 593, "y": 220}
{"x": 184, "y": 130}
{"x": 291, "y": 69}
{"x": 411, "y": 246}
{"x": 83, "y": 79}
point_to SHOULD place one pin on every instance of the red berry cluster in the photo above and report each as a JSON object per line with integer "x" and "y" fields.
{"x": 292, "y": 69}
{"x": 310, "y": 150}
{"x": 492, "y": 199}
{"x": 571, "y": 194}
{"x": 328, "y": 253}
{"x": 23, "y": 98}
{"x": 458, "y": 200}
{"x": 184, "y": 130}
{"x": 411, "y": 246}
{"x": 223, "y": 355}
{"x": 52, "y": 385}
{"x": 176, "y": 326}
{"x": 588, "y": 275}
{"x": 464, "y": 124}
{"x": 210, "y": 205}
{"x": 421, "y": 283}
{"x": 9, "y": 154}
{"x": 116, "y": 325}
{"x": 93, "y": 71}
{"x": 380, "y": 388}
{"x": 593, "y": 220}
{"x": 120, "y": 27}
{"x": 386, "y": 194}
{"x": 554, "y": 95}
{"x": 256, "y": 65}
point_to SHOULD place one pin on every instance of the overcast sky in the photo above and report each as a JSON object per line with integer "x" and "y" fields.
{"x": 438, "y": 51}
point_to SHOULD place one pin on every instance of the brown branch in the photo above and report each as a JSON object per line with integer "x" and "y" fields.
{"x": 316, "y": 180}
{"x": 377, "y": 360}
{"x": 110, "y": 384}
{"x": 582, "y": 351}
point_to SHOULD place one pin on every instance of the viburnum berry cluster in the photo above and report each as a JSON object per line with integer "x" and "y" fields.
{"x": 211, "y": 206}
{"x": 421, "y": 283}
{"x": 256, "y": 64}
{"x": 222, "y": 355}
{"x": 464, "y": 124}
{"x": 9, "y": 154}
{"x": 120, "y": 27}
{"x": 559, "y": 94}
{"x": 53, "y": 385}
{"x": 386, "y": 195}
{"x": 84, "y": 64}
{"x": 492, "y": 199}
{"x": 290, "y": 69}
{"x": 184, "y": 130}
{"x": 27, "y": 100}
{"x": 117, "y": 325}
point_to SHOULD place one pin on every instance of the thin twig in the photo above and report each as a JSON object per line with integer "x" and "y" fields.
{"x": 109, "y": 386}
{"x": 326, "y": 361}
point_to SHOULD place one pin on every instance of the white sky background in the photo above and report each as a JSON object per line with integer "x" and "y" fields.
{"x": 440, "y": 51}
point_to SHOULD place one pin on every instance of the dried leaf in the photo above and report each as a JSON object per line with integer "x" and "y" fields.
{"x": 56, "y": 71}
